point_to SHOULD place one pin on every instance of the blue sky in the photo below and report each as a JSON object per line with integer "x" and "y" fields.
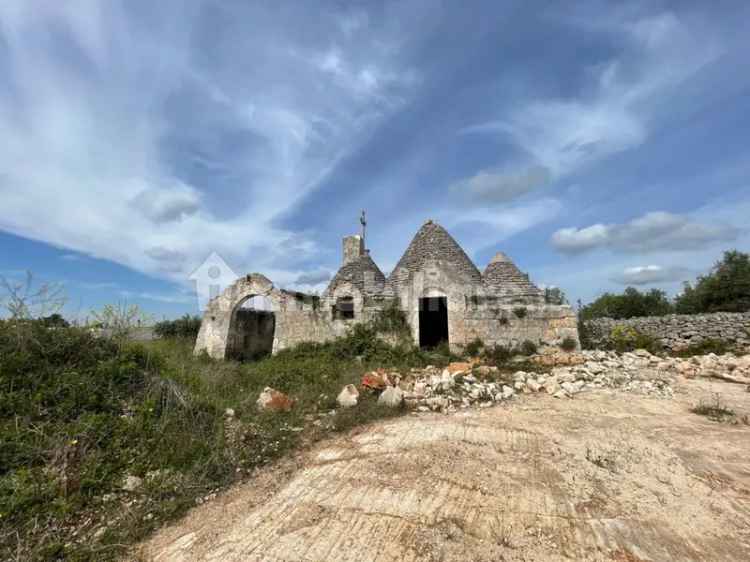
{"x": 598, "y": 146}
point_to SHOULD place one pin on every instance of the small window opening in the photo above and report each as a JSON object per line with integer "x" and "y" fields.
{"x": 344, "y": 309}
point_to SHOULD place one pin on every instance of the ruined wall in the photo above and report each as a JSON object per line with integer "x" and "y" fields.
{"x": 474, "y": 312}
{"x": 299, "y": 318}
{"x": 544, "y": 325}
{"x": 677, "y": 331}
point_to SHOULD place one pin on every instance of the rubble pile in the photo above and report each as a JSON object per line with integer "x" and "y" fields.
{"x": 462, "y": 385}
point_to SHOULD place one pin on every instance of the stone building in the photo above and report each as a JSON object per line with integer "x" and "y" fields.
{"x": 443, "y": 294}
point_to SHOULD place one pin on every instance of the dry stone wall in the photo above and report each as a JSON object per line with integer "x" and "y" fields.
{"x": 510, "y": 326}
{"x": 677, "y": 331}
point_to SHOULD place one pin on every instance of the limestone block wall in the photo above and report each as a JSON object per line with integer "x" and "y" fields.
{"x": 301, "y": 318}
{"x": 545, "y": 325}
{"x": 676, "y": 331}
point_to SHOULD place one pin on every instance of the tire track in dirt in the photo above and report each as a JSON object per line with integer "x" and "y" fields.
{"x": 604, "y": 477}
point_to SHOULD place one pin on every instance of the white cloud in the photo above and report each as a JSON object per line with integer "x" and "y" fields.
{"x": 167, "y": 204}
{"x": 652, "y": 232}
{"x": 573, "y": 240}
{"x": 313, "y": 278}
{"x": 145, "y": 146}
{"x": 652, "y": 275}
{"x": 500, "y": 187}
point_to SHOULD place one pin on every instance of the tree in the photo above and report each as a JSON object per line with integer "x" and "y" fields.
{"x": 55, "y": 321}
{"x": 24, "y": 300}
{"x": 120, "y": 319}
{"x": 632, "y": 303}
{"x": 725, "y": 289}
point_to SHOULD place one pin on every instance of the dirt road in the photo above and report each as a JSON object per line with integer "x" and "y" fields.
{"x": 604, "y": 476}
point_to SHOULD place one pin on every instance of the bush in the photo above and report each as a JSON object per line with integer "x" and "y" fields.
{"x": 725, "y": 289}
{"x": 520, "y": 312}
{"x": 185, "y": 327}
{"x": 569, "y": 344}
{"x": 632, "y": 303}
{"x": 528, "y": 347}
{"x": 54, "y": 321}
{"x": 715, "y": 410}
{"x": 78, "y": 413}
{"x": 498, "y": 355}
{"x": 391, "y": 320}
{"x": 704, "y": 347}
{"x": 474, "y": 347}
{"x": 626, "y": 338}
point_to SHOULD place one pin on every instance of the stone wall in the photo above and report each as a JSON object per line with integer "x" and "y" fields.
{"x": 676, "y": 331}
{"x": 300, "y": 318}
{"x": 510, "y": 326}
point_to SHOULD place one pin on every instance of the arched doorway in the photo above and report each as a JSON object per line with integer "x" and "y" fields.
{"x": 251, "y": 329}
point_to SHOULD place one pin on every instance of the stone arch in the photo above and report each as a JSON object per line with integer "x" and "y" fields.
{"x": 215, "y": 336}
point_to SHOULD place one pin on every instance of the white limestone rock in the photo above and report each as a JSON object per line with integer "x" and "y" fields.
{"x": 348, "y": 396}
{"x": 391, "y": 397}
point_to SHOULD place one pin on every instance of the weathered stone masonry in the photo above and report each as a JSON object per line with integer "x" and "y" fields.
{"x": 677, "y": 331}
{"x": 498, "y": 306}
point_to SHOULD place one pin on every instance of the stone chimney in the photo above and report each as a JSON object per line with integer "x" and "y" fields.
{"x": 354, "y": 247}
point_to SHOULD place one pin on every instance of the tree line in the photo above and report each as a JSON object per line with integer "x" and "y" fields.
{"x": 726, "y": 288}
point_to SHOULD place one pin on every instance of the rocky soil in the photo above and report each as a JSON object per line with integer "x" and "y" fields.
{"x": 461, "y": 385}
{"x": 602, "y": 459}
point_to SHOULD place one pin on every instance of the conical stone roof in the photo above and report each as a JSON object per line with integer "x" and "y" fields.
{"x": 503, "y": 279}
{"x": 361, "y": 272}
{"x": 433, "y": 243}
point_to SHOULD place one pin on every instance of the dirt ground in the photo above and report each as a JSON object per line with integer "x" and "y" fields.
{"x": 603, "y": 476}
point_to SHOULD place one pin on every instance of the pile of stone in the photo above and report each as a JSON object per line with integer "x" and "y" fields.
{"x": 727, "y": 366}
{"x": 450, "y": 389}
{"x": 638, "y": 372}
{"x": 462, "y": 385}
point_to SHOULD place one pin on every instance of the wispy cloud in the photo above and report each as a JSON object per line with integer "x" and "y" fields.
{"x": 613, "y": 113}
{"x": 151, "y": 145}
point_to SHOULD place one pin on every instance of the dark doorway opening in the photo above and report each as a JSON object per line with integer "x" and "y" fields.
{"x": 433, "y": 321}
{"x": 251, "y": 330}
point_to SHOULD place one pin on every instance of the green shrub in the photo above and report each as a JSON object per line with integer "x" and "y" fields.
{"x": 704, "y": 347}
{"x": 184, "y": 327}
{"x": 584, "y": 334}
{"x": 726, "y": 288}
{"x": 569, "y": 344}
{"x": 78, "y": 413}
{"x": 520, "y": 312}
{"x": 497, "y": 355}
{"x": 631, "y": 303}
{"x": 528, "y": 347}
{"x": 715, "y": 409}
{"x": 391, "y": 320}
{"x": 474, "y": 347}
{"x": 626, "y": 338}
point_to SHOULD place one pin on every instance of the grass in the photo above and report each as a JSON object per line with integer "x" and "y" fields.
{"x": 715, "y": 409}
{"x": 78, "y": 414}
{"x": 704, "y": 347}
